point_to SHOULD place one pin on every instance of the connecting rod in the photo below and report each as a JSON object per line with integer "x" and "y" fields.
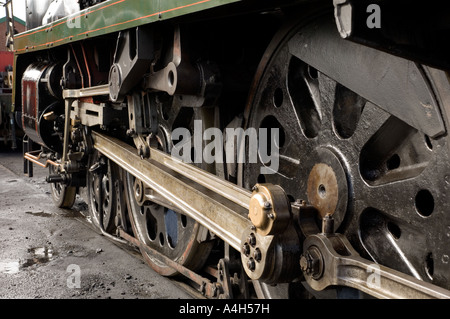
{"x": 220, "y": 206}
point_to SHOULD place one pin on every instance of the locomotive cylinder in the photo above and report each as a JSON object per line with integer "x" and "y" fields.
{"x": 40, "y": 97}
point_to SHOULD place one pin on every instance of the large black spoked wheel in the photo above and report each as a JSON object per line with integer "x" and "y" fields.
{"x": 102, "y": 196}
{"x": 362, "y": 136}
{"x": 63, "y": 196}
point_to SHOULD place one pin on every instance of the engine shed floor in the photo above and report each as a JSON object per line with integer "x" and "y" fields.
{"x": 47, "y": 253}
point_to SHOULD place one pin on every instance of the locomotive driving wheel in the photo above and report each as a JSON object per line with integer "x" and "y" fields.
{"x": 352, "y": 144}
{"x": 157, "y": 223}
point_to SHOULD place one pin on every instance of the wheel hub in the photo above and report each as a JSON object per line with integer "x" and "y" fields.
{"x": 327, "y": 188}
{"x": 322, "y": 189}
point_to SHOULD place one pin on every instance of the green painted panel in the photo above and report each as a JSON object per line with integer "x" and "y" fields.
{"x": 108, "y": 17}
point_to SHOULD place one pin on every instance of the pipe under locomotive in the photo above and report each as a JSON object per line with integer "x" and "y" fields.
{"x": 272, "y": 149}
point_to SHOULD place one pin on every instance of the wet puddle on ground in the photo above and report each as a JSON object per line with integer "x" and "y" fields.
{"x": 38, "y": 255}
{"x": 39, "y": 214}
{"x": 9, "y": 267}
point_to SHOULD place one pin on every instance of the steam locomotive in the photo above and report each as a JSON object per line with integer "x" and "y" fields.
{"x": 270, "y": 148}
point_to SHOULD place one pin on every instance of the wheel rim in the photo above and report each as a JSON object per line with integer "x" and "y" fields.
{"x": 380, "y": 177}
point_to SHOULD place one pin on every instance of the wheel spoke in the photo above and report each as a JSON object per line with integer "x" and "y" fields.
{"x": 303, "y": 87}
{"x": 371, "y": 120}
{"x": 395, "y": 152}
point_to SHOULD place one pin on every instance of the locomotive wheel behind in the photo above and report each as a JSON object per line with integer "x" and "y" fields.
{"x": 63, "y": 196}
{"x": 380, "y": 177}
{"x": 166, "y": 229}
{"x": 101, "y": 178}
{"x": 168, "y": 232}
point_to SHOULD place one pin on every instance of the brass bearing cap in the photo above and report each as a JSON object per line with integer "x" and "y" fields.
{"x": 269, "y": 209}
